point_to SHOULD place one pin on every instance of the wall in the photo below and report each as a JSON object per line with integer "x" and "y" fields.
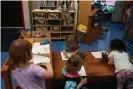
{"x": 32, "y": 5}
{"x": 84, "y": 10}
{"x": 26, "y": 14}
{"x": 11, "y": 14}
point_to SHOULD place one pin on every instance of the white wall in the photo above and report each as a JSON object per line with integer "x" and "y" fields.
{"x": 76, "y": 10}
{"x": 26, "y": 14}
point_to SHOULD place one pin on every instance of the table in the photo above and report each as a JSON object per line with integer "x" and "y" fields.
{"x": 95, "y": 69}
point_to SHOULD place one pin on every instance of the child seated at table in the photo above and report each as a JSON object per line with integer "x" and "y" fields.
{"x": 123, "y": 67}
{"x": 71, "y": 45}
{"x": 70, "y": 71}
{"x": 27, "y": 75}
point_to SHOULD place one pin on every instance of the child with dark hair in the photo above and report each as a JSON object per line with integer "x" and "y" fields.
{"x": 123, "y": 67}
{"x": 27, "y": 75}
{"x": 70, "y": 71}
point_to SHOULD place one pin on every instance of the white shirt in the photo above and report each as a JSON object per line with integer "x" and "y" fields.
{"x": 121, "y": 61}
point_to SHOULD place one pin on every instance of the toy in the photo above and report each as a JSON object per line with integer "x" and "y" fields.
{"x": 44, "y": 42}
{"x": 104, "y": 30}
{"x": 37, "y": 34}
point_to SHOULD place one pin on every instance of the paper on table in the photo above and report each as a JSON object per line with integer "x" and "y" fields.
{"x": 82, "y": 71}
{"x": 97, "y": 54}
{"x": 63, "y": 56}
{"x": 40, "y": 59}
{"x": 40, "y": 49}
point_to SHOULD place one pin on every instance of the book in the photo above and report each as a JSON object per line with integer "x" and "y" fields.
{"x": 37, "y": 59}
{"x": 37, "y": 48}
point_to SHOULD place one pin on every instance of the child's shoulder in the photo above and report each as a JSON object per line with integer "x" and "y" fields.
{"x": 67, "y": 74}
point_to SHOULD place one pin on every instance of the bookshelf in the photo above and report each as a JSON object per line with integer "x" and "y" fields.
{"x": 58, "y": 23}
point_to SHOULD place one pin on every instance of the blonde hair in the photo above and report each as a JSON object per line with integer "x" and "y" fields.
{"x": 20, "y": 53}
{"x": 72, "y": 41}
{"x": 74, "y": 64}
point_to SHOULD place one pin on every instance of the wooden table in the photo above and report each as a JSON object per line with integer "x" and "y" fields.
{"x": 95, "y": 69}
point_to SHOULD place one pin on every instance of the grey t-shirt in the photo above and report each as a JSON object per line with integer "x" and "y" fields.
{"x": 30, "y": 77}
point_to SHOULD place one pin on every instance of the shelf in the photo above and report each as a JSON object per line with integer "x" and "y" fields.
{"x": 45, "y": 19}
{"x": 67, "y": 25}
{"x": 58, "y": 23}
{"x": 68, "y": 19}
{"x": 53, "y": 19}
{"x": 40, "y": 25}
{"x": 50, "y": 6}
{"x": 64, "y": 35}
{"x": 69, "y": 11}
{"x": 39, "y": 10}
{"x": 53, "y": 25}
{"x": 39, "y": 19}
{"x": 57, "y": 32}
{"x": 55, "y": 36}
{"x": 66, "y": 31}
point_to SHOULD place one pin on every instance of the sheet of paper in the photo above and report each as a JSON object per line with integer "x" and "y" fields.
{"x": 63, "y": 56}
{"x": 82, "y": 71}
{"x": 40, "y": 59}
{"x": 40, "y": 49}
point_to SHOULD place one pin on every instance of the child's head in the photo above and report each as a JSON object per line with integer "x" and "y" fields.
{"x": 118, "y": 45}
{"x": 72, "y": 42}
{"x": 20, "y": 53}
{"x": 74, "y": 64}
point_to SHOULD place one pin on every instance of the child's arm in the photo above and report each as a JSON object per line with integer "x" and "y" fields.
{"x": 65, "y": 54}
{"x": 49, "y": 71}
{"x": 111, "y": 61}
{"x": 82, "y": 82}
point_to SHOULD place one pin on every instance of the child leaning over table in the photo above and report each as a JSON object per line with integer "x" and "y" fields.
{"x": 70, "y": 71}
{"x": 123, "y": 67}
{"x": 27, "y": 75}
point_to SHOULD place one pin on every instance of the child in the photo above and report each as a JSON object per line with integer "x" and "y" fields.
{"x": 27, "y": 75}
{"x": 70, "y": 71}
{"x": 71, "y": 44}
{"x": 123, "y": 67}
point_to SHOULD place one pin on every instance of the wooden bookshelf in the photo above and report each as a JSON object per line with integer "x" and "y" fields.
{"x": 58, "y": 23}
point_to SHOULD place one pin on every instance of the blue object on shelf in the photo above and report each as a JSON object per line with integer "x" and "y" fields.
{"x": 44, "y": 42}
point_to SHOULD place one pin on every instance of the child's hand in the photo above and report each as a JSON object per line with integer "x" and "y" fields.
{"x": 45, "y": 65}
{"x": 65, "y": 54}
{"x": 83, "y": 81}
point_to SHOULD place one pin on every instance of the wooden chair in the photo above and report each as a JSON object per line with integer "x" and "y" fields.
{"x": 6, "y": 74}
